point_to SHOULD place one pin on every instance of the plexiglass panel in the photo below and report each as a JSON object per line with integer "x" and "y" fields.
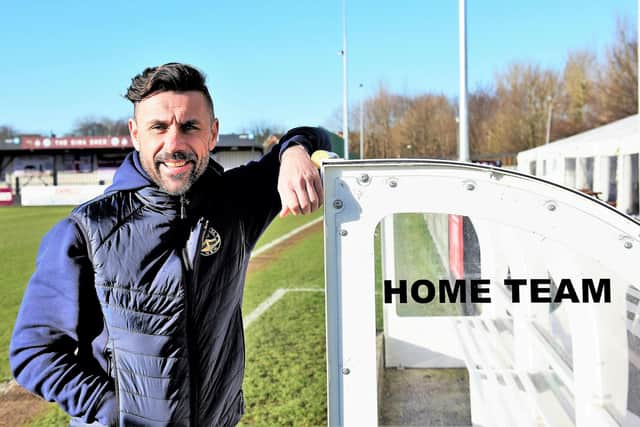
{"x": 526, "y": 287}
{"x": 502, "y": 279}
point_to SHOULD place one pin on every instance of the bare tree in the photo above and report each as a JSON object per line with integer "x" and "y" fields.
{"x": 266, "y": 133}
{"x": 483, "y": 105}
{"x": 91, "y": 126}
{"x": 524, "y": 92}
{"x": 7, "y": 132}
{"x": 618, "y": 86}
{"x": 575, "y": 104}
{"x": 427, "y": 128}
{"x": 262, "y": 130}
{"x": 382, "y": 114}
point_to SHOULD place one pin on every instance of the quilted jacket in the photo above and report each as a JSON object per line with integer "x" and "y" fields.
{"x": 133, "y": 315}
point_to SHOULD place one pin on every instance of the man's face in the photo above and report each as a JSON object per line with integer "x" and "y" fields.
{"x": 174, "y": 132}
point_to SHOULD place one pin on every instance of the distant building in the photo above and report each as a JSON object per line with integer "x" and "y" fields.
{"x": 40, "y": 161}
{"x": 236, "y": 149}
{"x": 602, "y": 162}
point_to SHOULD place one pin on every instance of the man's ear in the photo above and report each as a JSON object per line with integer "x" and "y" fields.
{"x": 214, "y": 134}
{"x": 133, "y": 132}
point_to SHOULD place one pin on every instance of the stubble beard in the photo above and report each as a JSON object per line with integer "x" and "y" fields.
{"x": 189, "y": 178}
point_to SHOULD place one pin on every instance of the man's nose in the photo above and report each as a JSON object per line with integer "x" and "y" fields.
{"x": 173, "y": 140}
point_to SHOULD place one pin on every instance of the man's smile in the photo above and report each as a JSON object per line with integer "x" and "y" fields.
{"x": 176, "y": 167}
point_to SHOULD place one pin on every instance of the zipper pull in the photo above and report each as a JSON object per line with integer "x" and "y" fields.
{"x": 183, "y": 209}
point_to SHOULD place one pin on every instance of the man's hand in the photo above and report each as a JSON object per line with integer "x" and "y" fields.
{"x": 299, "y": 183}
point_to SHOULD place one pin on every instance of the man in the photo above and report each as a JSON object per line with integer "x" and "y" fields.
{"x": 132, "y": 316}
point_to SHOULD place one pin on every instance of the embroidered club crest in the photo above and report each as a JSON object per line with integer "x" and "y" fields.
{"x": 211, "y": 242}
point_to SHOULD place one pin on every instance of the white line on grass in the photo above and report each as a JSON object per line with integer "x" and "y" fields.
{"x": 6, "y": 386}
{"x": 281, "y": 239}
{"x": 266, "y": 304}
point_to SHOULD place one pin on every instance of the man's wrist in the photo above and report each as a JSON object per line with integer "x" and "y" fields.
{"x": 294, "y": 148}
{"x": 294, "y": 141}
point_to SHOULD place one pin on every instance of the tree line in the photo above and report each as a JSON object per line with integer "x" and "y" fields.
{"x": 525, "y": 105}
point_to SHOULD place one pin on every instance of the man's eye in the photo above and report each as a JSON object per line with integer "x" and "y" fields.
{"x": 157, "y": 127}
{"x": 189, "y": 127}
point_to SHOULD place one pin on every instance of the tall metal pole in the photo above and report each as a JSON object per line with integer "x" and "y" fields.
{"x": 550, "y": 101}
{"x": 463, "y": 123}
{"x": 361, "y": 122}
{"x": 345, "y": 99}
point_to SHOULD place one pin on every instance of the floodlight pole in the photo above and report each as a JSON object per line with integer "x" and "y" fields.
{"x": 463, "y": 122}
{"x": 345, "y": 101}
{"x": 550, "y": 112}
{"x": 361, "y": 122}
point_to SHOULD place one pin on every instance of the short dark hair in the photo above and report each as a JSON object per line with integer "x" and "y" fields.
{"x": 172, "y": 76}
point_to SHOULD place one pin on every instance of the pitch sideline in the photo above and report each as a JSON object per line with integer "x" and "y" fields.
{"x": 281, "y": 239}
{"x": 5, "y": 387}
{"x": 275, "y": 297}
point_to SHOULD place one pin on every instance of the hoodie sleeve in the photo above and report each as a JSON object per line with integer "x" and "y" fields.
{"x": 256, "y": 182}
{"x": 44, "y": 346}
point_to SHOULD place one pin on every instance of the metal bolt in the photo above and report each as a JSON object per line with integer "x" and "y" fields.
{"x": 343, "y": 232}
{"x": 364, "y": 178}
{"x": 346, "y": 371}
{"x": 496, "y": 175}
{"x": 393, "y": 183}
{"x": 470, "y": 186}
{"x": 337, "y": 204}
{"x": 628, "y": 245}
{"x": 551, "y": 206}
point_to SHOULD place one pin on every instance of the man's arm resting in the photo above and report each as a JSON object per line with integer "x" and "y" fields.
{"x": 299, "y": 183}
{"x": 43, "y": 350}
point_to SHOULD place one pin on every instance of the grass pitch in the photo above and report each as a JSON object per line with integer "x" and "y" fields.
{"x": 279, "y": 390}
{"x": 21, "y": 230}
{"x": 285, "y": 378}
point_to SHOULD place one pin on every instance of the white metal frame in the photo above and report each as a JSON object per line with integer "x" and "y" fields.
{"x": 359, "y": 194}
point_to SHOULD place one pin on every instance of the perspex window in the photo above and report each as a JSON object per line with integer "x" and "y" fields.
{"x": 528, "y": 286}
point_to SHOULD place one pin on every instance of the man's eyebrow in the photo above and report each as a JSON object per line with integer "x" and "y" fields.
{"x": 165, "y": 123}
{"x": 157, "y": 122}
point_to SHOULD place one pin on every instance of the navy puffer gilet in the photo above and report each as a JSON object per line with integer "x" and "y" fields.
{"x": 171, "y": 308}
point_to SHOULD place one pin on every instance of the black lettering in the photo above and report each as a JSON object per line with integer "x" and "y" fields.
{"x": 536, "y": 290}
{"x": 415, "y": 291}
{"x": 566, "y": 291}
{"x": 515, "y": 288}
{"x": 604, "y": 287}
{"x": 389, "y": 290}
{"x": 451, "y": 295}
{"x": 477, "y": 289}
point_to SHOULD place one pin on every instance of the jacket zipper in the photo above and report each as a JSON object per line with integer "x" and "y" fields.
{"x": 112, "y": 369}
{"x": 191, "y": 281}
{"x": 183, "y": 210}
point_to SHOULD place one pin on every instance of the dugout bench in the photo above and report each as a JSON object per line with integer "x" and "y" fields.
{"x": 530, "y": 363}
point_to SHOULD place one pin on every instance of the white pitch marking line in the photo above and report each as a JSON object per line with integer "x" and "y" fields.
{"x": 7, "y": 386}
{"x": 264, "y": 306}
{"x": 275, "y": 297}
{"x": 281, "y": 239}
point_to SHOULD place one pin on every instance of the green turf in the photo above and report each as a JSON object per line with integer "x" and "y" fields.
{"x": 417, "y": 258}
{"x": 301, "y": 265}
{"x": 285, "y": 381}
{"x": 53, "y": 417}
{"x": 21, "y": 230}
{"x": 281, "y": 226}
{"x": 377, "y": 251}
